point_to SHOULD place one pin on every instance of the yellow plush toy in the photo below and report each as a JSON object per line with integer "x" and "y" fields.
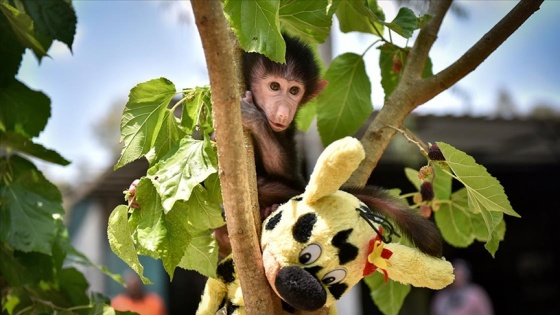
{"x": 320, "y": 244}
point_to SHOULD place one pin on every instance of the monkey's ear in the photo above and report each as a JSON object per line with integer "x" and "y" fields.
{"x": 321, "y": 85}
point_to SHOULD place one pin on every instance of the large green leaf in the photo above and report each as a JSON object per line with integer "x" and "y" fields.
{"x": 360, "y": 16}
{"x": 143, "y": 118}
{"x": 481, "y": 186}
{"x": 485, "y": 195}
{"x": 22, "y": 25}
{"x": 184, "y": 168}
{"x": 167, "y": 234}
{"x": 307, "y": 19}
{"x": 387, "y": 296}
{"x": 30, "y": 206}
{"x": 201, "y": 254}
{"x": 17, "y": 142}
{"x": 346, "y": 102}
{"x": 412, "y": 176}
{"x": 257, "y": 26}
{"x": 121, "y": 242}
{"x": 54, "y": 18}
{"x": 23, "y": 110}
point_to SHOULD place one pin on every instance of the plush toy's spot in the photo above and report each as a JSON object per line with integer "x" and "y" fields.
{"x": 338, "y": 289}
{"x": 346, "y": 251}
{"x": 226, "y": 270}
{"x": 271, "y": 224}
{"x": 300, "y": 289}
{"x": 304, "y": 227}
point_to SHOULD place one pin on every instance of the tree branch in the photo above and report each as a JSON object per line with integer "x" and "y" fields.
{"x": 224, "y": 80}
{"x": 478, "y": 52}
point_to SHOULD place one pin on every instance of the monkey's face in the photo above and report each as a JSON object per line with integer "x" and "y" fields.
{"x": 279, "y": 98}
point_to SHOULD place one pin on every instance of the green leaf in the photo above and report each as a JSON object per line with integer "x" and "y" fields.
{"x": 166, "y": 234}
{"x": 387, "y": 296}
{"x": 306, "y": 19}
{"x": 412, "y": 176}
{"x": 405, "y": 23}
{"x": 22, "y": 25}
{"x": 203, "y": 213}
{"x": 306, "y": 114}
{"x": 197, "y": 109}
{"x": 11, "y": 54}
{"x": 30, "y": 206}
{"x": 167, "y": 138}
{"x": 55, "y": 19}
{"x": 390, "y": 57}
{"x": 355, "y": 16}
{"x": 121, "y": 242}
{"x": 17, "y": 142}
{"x": 143, "y": 118}
{"x": 392, "y": 60}
{"x": 346, "y": 102}
{"x": 12, "y": 270}
{"x": 442, "y": 184}
{"x": 455, "y": 221}
{"x": 257, "y": 26}
{"x": 23, "y": 110}
{"x": 201, "y": 254}
{"x": 481, "y": 186}
{"x": 73, "y": 286}
{"x": 184, "y": 168}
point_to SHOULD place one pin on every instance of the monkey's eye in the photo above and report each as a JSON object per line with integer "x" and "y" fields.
{"x": 275, "y": 86}
{"x": 294, "y": 90}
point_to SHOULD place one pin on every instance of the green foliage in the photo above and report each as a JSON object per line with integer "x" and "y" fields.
{"x": 388, "y": 296}
{"x": 35, "y": 250}
{"x": 345, "y": 104}
{"x": 180, "y": 195}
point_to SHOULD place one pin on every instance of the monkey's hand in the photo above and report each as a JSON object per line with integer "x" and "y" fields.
{"x": 130, "y": 195}
{"x": 253, "y": 119}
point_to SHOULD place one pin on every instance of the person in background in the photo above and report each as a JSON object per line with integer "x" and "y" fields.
{"x": 136, "y": 299}
{"x": 462, "y": 297}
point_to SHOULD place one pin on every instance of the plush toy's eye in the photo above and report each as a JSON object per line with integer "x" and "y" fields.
{"x": 310, "y": 254}
{"x": 334, "y": 276}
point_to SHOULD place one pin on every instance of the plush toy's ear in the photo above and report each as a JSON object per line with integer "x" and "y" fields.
{"x": 333, "y": 168}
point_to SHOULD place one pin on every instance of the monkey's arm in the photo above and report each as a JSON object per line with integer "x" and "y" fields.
{"x": 422, "y": 232}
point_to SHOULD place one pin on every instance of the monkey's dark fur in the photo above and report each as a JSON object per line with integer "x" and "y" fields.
{"x": 278, "y": 173}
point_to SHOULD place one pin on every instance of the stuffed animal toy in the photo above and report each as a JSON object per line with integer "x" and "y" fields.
{"x": 320, "y": 244}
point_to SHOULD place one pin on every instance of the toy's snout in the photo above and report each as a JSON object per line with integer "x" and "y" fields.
{"x": 300, "y": 289}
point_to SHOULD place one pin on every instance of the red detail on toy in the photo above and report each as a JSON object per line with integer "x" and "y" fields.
{"x": 385, "y": 253}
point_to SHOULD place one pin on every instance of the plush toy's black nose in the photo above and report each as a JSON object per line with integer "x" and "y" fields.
{"x": 300, "y": 289}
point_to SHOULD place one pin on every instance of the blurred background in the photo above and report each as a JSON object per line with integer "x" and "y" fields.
{"x": 506, "y": 114}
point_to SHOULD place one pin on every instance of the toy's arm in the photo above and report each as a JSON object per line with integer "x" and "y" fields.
{"x": 214, "y": 293}
{"x": 410, "y": 266}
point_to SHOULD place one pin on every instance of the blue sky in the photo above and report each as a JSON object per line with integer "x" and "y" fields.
{"x": 122, "y": 43}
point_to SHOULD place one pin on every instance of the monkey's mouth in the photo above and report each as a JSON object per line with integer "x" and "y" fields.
{"x": 277, "y": 126}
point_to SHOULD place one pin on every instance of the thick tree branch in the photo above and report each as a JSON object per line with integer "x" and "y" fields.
{"x": 412, "y": 91}
{"x": 224, "y": 80}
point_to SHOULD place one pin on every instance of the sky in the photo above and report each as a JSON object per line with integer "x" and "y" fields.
{"x": 119, "y": 44}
